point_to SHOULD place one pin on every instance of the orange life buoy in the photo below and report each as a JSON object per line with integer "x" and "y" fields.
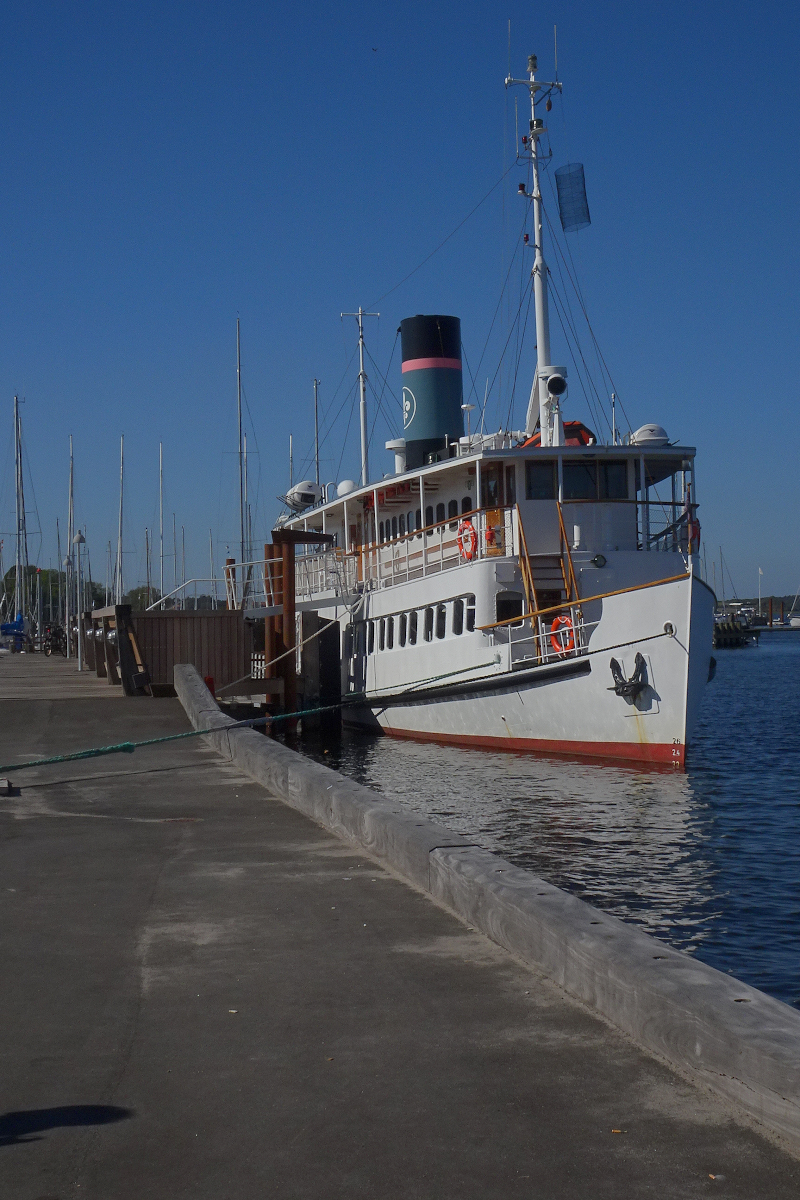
{"x": 562, "y": 635}
{"x": 467, "y": 540}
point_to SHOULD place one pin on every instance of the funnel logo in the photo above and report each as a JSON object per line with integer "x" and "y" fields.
{"x": 409, "y": 407}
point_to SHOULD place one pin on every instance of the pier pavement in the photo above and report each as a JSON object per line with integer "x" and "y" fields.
{"x": 204, "y": 994}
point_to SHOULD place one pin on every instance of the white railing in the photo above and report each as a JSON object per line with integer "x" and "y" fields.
{"x": 485, "y": 533}
{"x": 552, "y": 636}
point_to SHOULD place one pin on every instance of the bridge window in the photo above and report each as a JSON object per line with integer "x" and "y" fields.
{"x": 412, "y": 628}
{"x": 428, "y": 624}
{"x": 580, "y": 480}
{"x": 470, "y": 614}
{"x": 540, "y": 480}
{"x": 613, "y": 480}
{"x": 403, "y": 629}
{"x": 458, "y": 617}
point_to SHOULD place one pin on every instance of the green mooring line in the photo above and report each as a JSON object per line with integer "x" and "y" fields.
{"x": 129, "y": 747}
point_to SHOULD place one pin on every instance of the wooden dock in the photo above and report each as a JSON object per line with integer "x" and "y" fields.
{"x": 37, "y": 677}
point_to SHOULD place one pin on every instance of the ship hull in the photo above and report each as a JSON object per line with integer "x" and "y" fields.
{"x": 570, "y": 707}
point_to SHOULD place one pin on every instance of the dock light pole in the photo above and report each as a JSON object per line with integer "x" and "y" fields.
{"x": 78, "y": 541}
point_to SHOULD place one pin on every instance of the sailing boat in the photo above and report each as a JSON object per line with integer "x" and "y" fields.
{"x": 535, "y": 591}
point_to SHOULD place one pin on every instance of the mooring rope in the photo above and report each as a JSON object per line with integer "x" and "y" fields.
{"x": 351, "y": 699}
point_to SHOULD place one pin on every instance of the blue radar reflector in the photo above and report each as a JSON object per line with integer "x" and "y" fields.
{"x": 573, "y": 207}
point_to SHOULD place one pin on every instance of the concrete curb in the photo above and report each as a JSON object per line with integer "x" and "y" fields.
{"x": 738, "y": 1041}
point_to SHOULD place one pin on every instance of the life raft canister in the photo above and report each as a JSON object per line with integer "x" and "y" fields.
{"x": 467, "y": 540}
{"x": 562, "y": 635}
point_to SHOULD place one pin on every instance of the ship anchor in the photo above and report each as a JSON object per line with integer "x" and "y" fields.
{"x": 629, "y": 688}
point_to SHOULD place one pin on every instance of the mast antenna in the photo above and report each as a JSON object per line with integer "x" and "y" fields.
{"x": 362, "y": 381}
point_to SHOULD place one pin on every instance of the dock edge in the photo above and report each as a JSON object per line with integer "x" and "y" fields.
{"x": 737, "y": 1041}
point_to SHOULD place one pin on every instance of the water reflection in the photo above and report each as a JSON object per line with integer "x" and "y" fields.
{"x": 708, "y": 860}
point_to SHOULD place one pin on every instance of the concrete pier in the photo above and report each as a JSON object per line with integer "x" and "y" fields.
{"x": 205, "y": 994}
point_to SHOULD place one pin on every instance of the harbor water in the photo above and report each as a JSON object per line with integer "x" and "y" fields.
{"x": 707, "y": 859}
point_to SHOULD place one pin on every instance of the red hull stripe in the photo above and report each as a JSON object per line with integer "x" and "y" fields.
{"x": 420, "y": 364}
{"x": 640, "y": 752}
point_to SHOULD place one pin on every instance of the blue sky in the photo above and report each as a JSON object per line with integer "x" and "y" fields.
{"x": 169, "y": 166}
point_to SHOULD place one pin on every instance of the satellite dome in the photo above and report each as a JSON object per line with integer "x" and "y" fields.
{"x": 650, "y": 435}
{"x": 345, "y": 487}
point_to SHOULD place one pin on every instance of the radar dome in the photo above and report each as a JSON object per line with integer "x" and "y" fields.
{"x": 650, "y": 435}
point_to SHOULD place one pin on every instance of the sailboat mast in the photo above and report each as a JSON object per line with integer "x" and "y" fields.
{"x": 68, "y": 573}
{"x": 316, "y": 432}
{"x": 241, "y": 448}
{"x": 118, "y": 591}
{"x": 549, "y": 415}
{"x": 161, "y": 521}
{"x": 362, "y": 384}
{"x": 21, "y": 556}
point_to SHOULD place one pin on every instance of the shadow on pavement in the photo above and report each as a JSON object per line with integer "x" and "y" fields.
{"x": 15, "y": 1127}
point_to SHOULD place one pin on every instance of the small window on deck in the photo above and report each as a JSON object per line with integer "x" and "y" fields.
{"x": 381, "y": 531}
{"x": 418, "y": 521}
{"x": 452, "y": 511}
{"x": 428, "y": 624}
{"x": 401, "y": 525}
{"x": 394, "y": 527}
{"x": 403, "y": 629}
{"x": 458, "y": 617}
{"x": 412, "y": 628}
{"x": 511, "y": 485}
{"x": 440, "y": 511}
{"x": 508, "y": 605}
{"x": 389, "y": 633}
{"x": 470, "y": 614}
{"x": 441, "y": 620}
{"x": 466, "y": 504}
{"x": 429, "y": 517}
{"x": 580, "y": 480}
{"x": 382, "y": 634}
{"x": 371, "y": 638}
{"x": 540, "y": 480}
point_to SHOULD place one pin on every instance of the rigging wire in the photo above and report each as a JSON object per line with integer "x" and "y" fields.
{"x": 444, "y": 241}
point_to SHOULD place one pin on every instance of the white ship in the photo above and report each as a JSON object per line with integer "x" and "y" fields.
{"x": 531, "y": 592}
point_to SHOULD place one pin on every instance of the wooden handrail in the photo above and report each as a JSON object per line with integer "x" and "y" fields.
{"x": 637, "y": 587}
{"x": 573, "y": 583}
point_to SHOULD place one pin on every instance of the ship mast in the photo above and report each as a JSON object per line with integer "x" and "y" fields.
{"x": 548, "y": 382}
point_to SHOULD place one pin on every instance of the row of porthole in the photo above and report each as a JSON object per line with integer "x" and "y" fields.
{"x": 408, "y": 522}
{"x": 379, "y": 634}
